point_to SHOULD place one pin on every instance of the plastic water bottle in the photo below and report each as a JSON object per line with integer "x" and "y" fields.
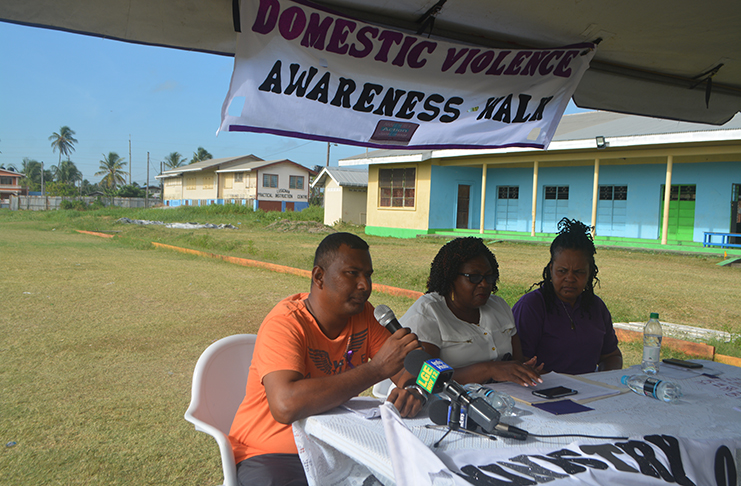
{"x": 666, "y": 391}
{"x": 651, "y": 345}
{"x": 503, "y": 403}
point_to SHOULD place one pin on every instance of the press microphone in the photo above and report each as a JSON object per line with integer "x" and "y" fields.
{"x": 435, "y": 376}
{"x": 443, "y": 412}
{"x": 385, "y": 316}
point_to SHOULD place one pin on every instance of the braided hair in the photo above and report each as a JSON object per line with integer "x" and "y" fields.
{"x": 572, "y": 235}
{"x": 451, "y": 257}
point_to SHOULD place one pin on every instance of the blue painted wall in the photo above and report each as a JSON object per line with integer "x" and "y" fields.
{"x": 637, "y": 217}
{"x": 444, "y": 196}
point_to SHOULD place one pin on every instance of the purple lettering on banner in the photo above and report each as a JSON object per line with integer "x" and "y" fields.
{"x": 365, "y": 41}
{"x": 387, "y": 38}
{"x": 495, "y": 69}
{"x": 532, "y": 64}
{"x": 316, "y": 32}
{"x": 292, "y": 23}
{"x": 545, "y": 67}
{"x": 413, "y": 60}
{"x": 401, "y": 56}
{"x": 464, "y": 65}
{"x": 482, "y": 61}
{"x": 514, "y": 65}
{"x": 342, "y": 28}
{"x": 267, "y": 16}
{"x": 452, "y": 57}
{"x": 563, "y": 70}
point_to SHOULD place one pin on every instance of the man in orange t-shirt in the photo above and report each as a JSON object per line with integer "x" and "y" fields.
{"x": 311, "y": 355}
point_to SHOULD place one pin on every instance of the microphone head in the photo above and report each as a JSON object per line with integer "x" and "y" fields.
{"x": 438, "y": 411}
{"x": 415, "y": 359}
{"x": 383, "y": 314}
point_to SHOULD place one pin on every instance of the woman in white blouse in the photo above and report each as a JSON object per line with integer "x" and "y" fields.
{"x": 462, "y": 322}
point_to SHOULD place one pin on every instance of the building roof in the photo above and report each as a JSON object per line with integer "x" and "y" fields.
{"x": 10, "y": 173}
{"x": 242, "y": 163}
{"x": 343, "y": 176}
{"x": 579, "y": 131}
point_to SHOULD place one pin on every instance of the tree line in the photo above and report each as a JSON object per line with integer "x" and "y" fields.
{"x": 65, "y": 179}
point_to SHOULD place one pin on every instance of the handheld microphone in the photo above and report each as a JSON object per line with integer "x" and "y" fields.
{"x": 435, "y": 376}
{"x": 385, "y": 316}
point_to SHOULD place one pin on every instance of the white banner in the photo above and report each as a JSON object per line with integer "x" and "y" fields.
{"x": 648, "y": 460}
{"x": 303, "y": 72}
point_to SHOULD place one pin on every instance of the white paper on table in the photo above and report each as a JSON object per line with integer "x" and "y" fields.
{"x": 587, "y": 389}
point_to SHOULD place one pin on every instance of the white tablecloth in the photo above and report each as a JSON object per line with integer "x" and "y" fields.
{"x": 341, "y": 447}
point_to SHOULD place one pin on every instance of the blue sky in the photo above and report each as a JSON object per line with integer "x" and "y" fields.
{"x": 164, "y": 100}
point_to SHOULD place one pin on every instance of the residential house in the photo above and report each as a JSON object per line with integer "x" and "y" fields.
{"x": 345, "y": 194}
{"x": 10, "y": 184}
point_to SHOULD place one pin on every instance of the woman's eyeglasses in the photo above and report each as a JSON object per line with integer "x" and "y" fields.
{"x": 475, "y": 278}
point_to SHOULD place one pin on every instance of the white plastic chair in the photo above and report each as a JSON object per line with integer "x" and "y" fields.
{"x": 219, "y": 381}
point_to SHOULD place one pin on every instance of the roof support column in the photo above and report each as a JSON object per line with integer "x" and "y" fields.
{"x": 667, "y": 198}
{"x": 483, "y": 197}
{"x": 534, "y": 204}
{"x": 595, "y": 195}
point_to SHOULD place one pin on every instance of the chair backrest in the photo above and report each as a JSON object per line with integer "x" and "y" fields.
{"x": 219, "y": 380}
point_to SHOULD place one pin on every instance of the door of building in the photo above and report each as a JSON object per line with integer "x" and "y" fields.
{"x": 736, "y": 212}
{"x": 464, "y": 198}
{"x": 269, "y": 205}
{"x": 681, "y": 225}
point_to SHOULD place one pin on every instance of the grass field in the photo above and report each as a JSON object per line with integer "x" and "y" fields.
{"x": 99, "y": 336}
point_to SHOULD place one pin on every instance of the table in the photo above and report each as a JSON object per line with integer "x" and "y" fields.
{"x": 341, "y": 447}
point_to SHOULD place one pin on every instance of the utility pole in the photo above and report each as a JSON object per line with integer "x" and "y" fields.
{"x": 42, "y": 178}
{"x": 162, "y": 182}
{"x": 146, "y": 192}
{"x": 327, "y": 155}
{"x": 129, "y": 159}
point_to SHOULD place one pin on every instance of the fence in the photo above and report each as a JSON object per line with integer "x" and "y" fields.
{"x": 43, "y": 203}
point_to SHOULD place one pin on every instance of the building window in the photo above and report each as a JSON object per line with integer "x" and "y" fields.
{"x": 682, "y": 193}
{"x": 208, "y": 182}
{"x": 228, "y": 181}
{"x": 509, "y": 192}
{"x": 296, "y": 182}
{"x": 397, "y": 187}
{"x": 190, "y": 183}
{"x": 7, "y": 181}
{"x": 172, "y": 181}
{"x": 556, "y": 192}
{"x": 270, "y": 180}
{"x": 238, "y": 176}
{"x": 613, "y": 193}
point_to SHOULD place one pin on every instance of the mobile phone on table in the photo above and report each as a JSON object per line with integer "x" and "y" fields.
{"x": 555, "y": 392}
{"x": 682, "y": 363}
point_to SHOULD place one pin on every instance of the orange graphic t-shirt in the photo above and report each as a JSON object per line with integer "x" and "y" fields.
{"x": 290, "y": 339}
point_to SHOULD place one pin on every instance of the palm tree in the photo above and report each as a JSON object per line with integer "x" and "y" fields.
{"x": 200, "y": 155}
{"x": 174, "y": 160}
{"x": 31, "y": 170}
{"x": 111, "y": 168}
{"x": 63, "y": 141}
{"x": 67, "y": 172}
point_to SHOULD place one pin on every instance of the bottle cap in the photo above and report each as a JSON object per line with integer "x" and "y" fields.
{"x": 654, "y": 315}
{"x": 624, "y": 380}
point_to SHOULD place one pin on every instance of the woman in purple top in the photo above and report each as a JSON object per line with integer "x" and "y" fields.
{"x": 562, "y": 322}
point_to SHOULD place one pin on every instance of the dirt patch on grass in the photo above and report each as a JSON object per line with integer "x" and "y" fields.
{"x": 286, "y": 226}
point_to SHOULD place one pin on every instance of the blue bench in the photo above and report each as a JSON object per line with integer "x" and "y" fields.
{"x": 724, "y": 237}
